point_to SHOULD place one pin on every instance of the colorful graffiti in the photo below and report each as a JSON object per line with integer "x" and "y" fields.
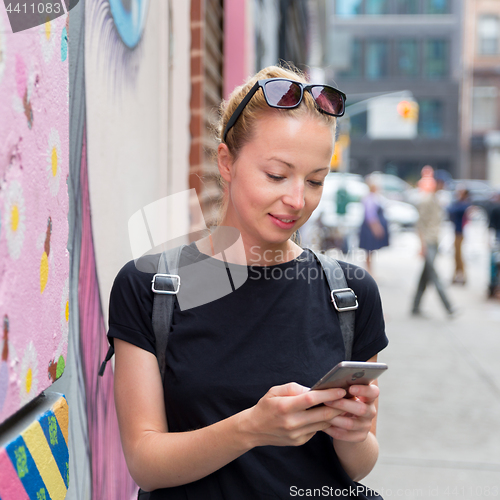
{"x": 98, "y": 469}
{"x": 34, "y": 166}
{"x": 35, "y": 464}
{"x": 50, "y": 151}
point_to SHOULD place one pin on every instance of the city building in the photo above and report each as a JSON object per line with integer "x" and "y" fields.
{"x": 481, "y": 103}
{"x": 379, "y": 47}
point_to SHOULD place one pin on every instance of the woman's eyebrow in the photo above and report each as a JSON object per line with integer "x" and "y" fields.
{"x": 291, "y": 166}
{"x": 275, "y": 158}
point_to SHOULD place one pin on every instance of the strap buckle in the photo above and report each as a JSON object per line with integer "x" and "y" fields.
{"x": 166, "y": 279}
{"x": 344, "y": 299}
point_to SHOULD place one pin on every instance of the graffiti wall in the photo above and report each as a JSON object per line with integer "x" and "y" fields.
{"x": 83, "y": 146}
{"x": 34, "y": 462}
{"x": 125, "y": 153}
{"x": 34, "y": 166}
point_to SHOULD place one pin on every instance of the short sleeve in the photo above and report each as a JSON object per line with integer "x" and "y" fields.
{"x": 369, "y": 333}
{"x": 371, "y": 208}
{"x": 131, "y": 307}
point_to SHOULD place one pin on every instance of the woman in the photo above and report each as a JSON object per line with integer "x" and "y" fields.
{"x": 373, "y": 234}
{"x": 234, "y": 417}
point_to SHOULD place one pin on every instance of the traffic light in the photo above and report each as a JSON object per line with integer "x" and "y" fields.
{"x": 340, "y": 153}
{"x": 408, "y": 110}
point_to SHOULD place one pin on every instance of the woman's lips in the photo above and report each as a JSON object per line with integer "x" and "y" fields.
{"x": 284, "y": 221}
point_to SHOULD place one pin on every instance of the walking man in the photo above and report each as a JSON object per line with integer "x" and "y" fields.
{"x": 428, "y": 226}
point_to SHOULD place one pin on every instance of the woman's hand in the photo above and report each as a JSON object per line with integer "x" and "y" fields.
{"x": 287, "y": 415}
{"x": 355, "y": 421}
{"x": 377, "y": 229}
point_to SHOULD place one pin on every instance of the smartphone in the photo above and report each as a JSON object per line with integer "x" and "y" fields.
{"x": 348, "y": 373}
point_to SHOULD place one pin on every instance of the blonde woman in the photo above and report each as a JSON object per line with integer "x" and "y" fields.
{"x": 234, "y": 418}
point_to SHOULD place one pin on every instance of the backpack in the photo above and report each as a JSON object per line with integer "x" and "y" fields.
{"x": 166, "y": 284}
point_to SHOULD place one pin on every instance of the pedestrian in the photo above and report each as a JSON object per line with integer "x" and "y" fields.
{"x": 428, "y": 226}
{"x": 494, "y": 226}
{"x": 374, "y": 231}
{"x": 494, "y": 217}
{"x": 234, "y": 418}
{"x": 457, "y": 212}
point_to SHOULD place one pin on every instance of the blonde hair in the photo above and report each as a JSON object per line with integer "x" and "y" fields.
{"x": 242, "y": 130}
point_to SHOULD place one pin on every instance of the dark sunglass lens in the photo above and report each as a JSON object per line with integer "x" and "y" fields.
{"x": 328, "y": 99}
{"x": 283, "y": 94}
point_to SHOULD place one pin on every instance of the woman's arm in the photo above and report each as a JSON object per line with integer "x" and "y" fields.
{"x": 354, "y": 433}
{"x": 159, "y": 459}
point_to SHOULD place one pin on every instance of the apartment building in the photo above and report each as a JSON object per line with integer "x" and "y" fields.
{"x": 378, "y": 47}
{"x": 481, "y": 103}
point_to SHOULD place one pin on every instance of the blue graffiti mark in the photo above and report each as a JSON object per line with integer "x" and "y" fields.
{"x": 64, "y": 44}
{"x": 130, "y": 18}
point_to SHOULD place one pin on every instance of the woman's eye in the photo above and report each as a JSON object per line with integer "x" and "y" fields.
{"x": 275, "y": 177}
{"x": 316, "y": 183}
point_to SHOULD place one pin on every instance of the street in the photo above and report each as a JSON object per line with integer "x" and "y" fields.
{"x": 439, "y": 411}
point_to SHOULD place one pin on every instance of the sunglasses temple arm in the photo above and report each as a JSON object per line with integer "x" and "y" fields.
{"x": 240, "y": 108}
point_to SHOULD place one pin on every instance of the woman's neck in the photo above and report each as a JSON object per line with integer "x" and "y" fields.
{"x": 222, "y": 244}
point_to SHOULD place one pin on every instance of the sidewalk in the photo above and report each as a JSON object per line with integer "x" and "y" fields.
{"x": 439, "y": 412}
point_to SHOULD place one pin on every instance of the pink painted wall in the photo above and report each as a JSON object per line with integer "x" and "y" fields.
{"x": 236, "y": 44}
{"x": 34, "y": 261}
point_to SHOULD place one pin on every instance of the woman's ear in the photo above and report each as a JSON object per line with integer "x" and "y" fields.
{"x": 225, "y": 162}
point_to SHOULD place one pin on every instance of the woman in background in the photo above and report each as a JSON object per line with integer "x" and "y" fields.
{"x": 374, "y": 233}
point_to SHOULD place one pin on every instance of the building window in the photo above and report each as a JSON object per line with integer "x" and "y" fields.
{"x": 488, "y": 32}
{"x": 376, "y": 60}
{"x": 484, "y": 108}
{"x": 407, "y": 6}
{"x": 376, "y": 7}
{"x": 430, "y": 118}
{"x": 436, "y": 59}
{"x": 407, "y": 58}
{"x": 359, "y": 124}
{"x": 355, "y": 69}
{"x": 348, "y": 7}
{"x": 437, "y": 6}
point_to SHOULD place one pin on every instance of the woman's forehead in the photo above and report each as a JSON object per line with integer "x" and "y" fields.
{"x": 282, "y": 127}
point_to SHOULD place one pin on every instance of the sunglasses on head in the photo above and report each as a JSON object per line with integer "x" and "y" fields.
{"x": 282, "y": 93}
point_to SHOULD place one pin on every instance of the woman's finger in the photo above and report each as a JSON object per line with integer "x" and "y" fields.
{"x": 368, "y": 392}
{"x": 356, "y": 407}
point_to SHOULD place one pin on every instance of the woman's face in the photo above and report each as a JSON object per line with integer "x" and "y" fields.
{"x": 277, "y": 180}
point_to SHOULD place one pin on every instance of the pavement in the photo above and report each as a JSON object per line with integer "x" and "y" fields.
{"x": 439, "y": 410}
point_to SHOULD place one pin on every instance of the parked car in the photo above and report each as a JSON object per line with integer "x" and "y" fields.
{"x": 480, "y": 191}
{"x": 399, "y": 214}
{"x": 391, "y": 186}
{"x": 356, "y": 189}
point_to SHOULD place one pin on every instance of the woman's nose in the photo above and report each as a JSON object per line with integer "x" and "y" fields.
{"x": 294, "y": 196}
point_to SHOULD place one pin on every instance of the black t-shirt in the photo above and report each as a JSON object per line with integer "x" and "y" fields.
{"x": 279, "y": 326}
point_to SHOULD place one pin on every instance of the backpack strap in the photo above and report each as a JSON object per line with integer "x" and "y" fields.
{"x": 343, "y": 298}
{"x": 165, "y": 285}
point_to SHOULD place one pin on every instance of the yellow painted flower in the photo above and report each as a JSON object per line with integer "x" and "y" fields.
{"x": 63, "y": 342}
{"x": 48, "y": 38}
{"x": 44, "y": 263}
{"x": 44, "y": 272}
{"x": 54, "y": 161}
{"x": 14, "y": 218}
{"x": 29, "y": 374}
